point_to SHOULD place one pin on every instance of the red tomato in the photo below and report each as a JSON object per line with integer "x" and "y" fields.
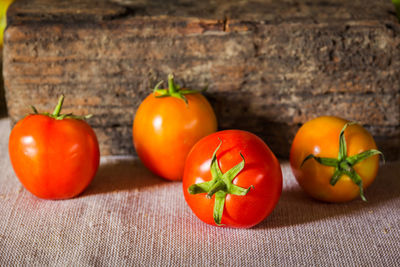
{"x": 333, "y": 160}
{"x": 54, "y": 156}
{"x": 237, "y": 186}
{"x": 166, "y": 126}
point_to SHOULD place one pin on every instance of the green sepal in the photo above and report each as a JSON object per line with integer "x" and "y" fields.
{"x": 353, "y": 160}
{"x": 220, "y": 185}
{"x": 343, "y": 164}
{"x": 190, "y": 91}
{"x": 179, "y": 96}
{"x": 342, "y": 142}
{"x": 214, "y": 168}
{"x": 239, "y": 191}
{"x": 174, "y": 90}
{"x": 216, "y": 187}
{"x": 219, "y": 204}
{"x": 355, "y": 177}
{"x": 157, "y": 90}
{"x": 324, "y": 161}
{"x": 34, "y": 110}
{"x": 200, "y": 188}
{"x": 234, "y": 171}
{"x": 336, "y": 176}
{"x": 57, "y": 110}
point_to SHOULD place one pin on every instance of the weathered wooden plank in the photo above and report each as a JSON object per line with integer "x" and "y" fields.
{"x": 269, "y": 65}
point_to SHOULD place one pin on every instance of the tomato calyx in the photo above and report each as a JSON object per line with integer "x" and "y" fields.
{"x": 174, "y": 90}
{"x": 344, "y": 164}
{"x": 57, "y": 112}
{"x": 220, "y": 185}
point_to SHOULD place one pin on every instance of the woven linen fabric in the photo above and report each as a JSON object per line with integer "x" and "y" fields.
{"x": 130, "y": 217}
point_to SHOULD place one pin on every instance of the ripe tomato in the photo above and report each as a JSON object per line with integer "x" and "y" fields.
{"x": 232, "y": 178}
{"x": 54, "y": 156}
{"x": 166, "y": 126}
{"x": 334, "y": 160}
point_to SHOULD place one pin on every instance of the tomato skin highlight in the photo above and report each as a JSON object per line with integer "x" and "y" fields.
{"x": 165, "y": 129}
{"x": 261, "y": 170}
{"x": 320, "y": 137}
{"x": 54, "y": 159}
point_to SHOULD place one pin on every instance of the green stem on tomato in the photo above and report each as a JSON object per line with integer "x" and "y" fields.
{"x": 344, "y": 164}
{"x": 171, "y": 85}
{"x": 57, "y": 109}
{"x": 57, "y": 112}
{"x": 220, "y": 185}
{"x": 174, "y": 90}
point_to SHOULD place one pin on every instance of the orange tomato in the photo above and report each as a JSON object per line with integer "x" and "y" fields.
{"x": 333, "y": 160}
{"x": 166, "y": 126}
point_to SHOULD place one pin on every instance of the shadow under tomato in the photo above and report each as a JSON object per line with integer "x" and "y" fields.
{"x": 122, "y": 174}
{"x": 295, "y": 207}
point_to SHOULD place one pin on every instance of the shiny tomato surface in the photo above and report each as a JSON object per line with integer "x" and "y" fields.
{"x": 261, "y": 176}
{"x": 54, "y": 159}
{"x": 165, "y": 129}
{"x": 320, "y": 137}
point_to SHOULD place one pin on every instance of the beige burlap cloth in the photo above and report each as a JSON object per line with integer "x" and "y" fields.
{"x": 128, "y": 216}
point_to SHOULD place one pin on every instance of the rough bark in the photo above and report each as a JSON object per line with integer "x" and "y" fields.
{"x": 269, "y": 65}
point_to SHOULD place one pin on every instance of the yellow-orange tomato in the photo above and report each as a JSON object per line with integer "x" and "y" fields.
{"x": 166, "y": 128}
{"x": 320, "y": 137}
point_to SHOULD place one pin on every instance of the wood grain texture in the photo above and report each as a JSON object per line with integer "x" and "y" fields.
{"x": 269, "y": 65}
